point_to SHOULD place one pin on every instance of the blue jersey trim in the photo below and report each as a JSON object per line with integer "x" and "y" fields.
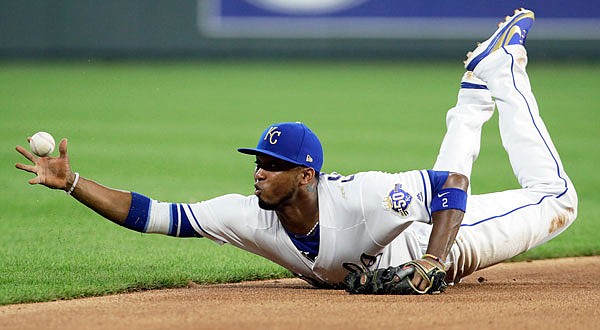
{"x": 184, "y": 227}
{"x": 437, "y": 179}
{"x": 466, "y": 85}
{"x": 173, "y": 213}
{"x": 172, "y": 216}
{"x": 307, "y": 244}
{"x": 139, "y": 212}
{"x": 425, "y": 193}
{"x": 204, "y": 233}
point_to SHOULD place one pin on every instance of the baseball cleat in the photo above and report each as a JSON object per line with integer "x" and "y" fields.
{"x": 512, "y": 31}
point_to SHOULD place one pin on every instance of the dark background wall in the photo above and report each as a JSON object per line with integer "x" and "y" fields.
{"x": 171, "y": 29}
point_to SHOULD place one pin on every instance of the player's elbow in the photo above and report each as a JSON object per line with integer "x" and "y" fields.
{"x": 457, "y": 180}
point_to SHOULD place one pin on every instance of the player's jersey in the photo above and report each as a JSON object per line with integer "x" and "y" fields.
{"x": 359, "y": 216}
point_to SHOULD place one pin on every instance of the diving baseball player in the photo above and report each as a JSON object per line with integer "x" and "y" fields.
{"x": 376, "y": 232}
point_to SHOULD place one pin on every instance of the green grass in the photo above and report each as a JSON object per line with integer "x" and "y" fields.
{"x": 170, "y": 130}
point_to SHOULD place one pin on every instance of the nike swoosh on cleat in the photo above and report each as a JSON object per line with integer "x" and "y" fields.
{"x": 514, "y": 31}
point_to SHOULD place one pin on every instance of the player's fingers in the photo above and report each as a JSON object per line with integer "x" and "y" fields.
{"x": 423, "y": 285}
{"x": 27, "y": 168}
{"x": 417, "y": 281}
{"x": 26, "y": 153}
{"x": 62, "y": 147}
{"x": 35, "y": 180}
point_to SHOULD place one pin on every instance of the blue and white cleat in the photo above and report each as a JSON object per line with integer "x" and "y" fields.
{"x": 512, "y": 31}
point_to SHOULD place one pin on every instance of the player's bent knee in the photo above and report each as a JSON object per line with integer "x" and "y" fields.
{"x": 565, "y": 210}
{"x": 572, "y": 202}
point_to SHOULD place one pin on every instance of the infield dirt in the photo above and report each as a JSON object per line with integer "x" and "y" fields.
{"x": 546, "y": 294}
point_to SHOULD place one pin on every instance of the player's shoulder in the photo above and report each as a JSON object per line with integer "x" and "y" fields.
{"x": 239, "y": 210}
{"x": 357, "y": 183}
{"x": 240, "y": 204}
{"x": 231, "y": 199}
{"x": 366, "y": 177}
{"x": 371, "y": 185}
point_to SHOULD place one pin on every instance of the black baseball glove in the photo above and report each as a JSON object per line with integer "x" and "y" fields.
{"x": 399, "y": 280}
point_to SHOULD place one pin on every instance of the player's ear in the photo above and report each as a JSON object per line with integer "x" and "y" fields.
{"x": 308, "y": 173}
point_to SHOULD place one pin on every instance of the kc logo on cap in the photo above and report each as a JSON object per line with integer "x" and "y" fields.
{"x": 271, "y": 133}
{"x": 292, "y": 142}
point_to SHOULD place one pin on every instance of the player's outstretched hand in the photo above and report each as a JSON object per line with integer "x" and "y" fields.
{"x": 51, "y": 172}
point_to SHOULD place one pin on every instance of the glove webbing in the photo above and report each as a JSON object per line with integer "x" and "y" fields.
{"x": 423, "y": 273}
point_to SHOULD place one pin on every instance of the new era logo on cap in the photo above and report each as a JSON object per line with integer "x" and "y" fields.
{"x": 292, "y": 142}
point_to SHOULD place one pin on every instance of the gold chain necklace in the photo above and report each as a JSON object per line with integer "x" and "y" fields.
{"x": 312, "y": 229}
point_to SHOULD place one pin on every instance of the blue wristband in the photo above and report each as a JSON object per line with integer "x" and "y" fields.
{"x": 449, "y": 198}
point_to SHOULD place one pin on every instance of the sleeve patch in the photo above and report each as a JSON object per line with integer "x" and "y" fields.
{"x": 398, "y": 200}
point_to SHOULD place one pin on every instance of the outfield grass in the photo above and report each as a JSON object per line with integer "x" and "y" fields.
{"x": 170, "y": 130}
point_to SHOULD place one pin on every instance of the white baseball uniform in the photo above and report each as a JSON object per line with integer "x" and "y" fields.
{"x": 372, "y": 220}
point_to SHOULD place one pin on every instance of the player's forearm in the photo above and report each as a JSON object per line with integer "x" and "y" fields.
{"x": 448, "y": 209}
{"x": 110, "y": 203}
{"x": 445, "y": 228}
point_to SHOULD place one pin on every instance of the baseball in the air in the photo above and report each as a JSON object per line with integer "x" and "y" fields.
{"x": 42, "y": 144}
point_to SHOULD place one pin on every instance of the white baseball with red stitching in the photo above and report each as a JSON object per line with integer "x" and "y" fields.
{"x": 42, "y": 144}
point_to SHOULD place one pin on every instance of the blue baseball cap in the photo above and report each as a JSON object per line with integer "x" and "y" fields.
{"x": 292, "y": 142}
